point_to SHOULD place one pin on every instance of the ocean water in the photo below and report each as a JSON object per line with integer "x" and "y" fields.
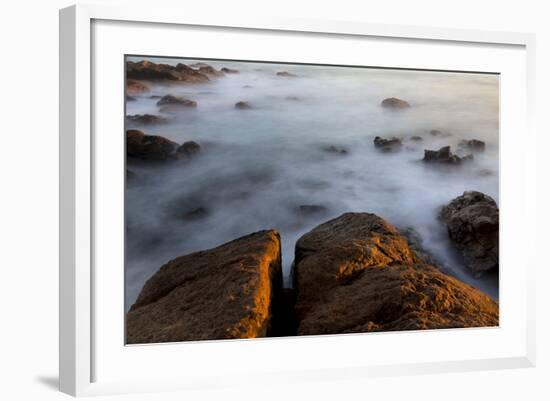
{"x": 257, "y": 166}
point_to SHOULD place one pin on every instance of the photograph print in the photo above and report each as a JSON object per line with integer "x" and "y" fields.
{"x": 276, "y": 199}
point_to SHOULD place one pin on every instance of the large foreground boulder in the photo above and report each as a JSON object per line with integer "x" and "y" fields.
{"x": 222, "y": 293}
{"x": 473, "y": 224}
{"x": 357, "y": 273}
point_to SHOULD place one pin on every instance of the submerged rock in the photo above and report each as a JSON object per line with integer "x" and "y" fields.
{"x": 444, "y": 156}
{"x": 439, "y": 133}
{"x": 473, "y": 225}
{"x": 220, "y": 293}
{"x": 243, "y": 105}
{"x": 286, "y": 74}
{"x": 172, "y": 100}
{"x": 395, "y": 103}
{"x": 152, "y": 71}
{"x": 416, "y": 138}
{"x": 149, "y": 147}
{"x": 146, "y": 119}
{"x": 335, "y": 149}
{"x": 473, "y": 145}
{"x": 311, "y": 209}
{"x": 195, "y": 214}
{"x": 357, "y": 273}
{"x": 189, "y": 148}
{"x": 229, "y": 70}
{"x": 387, "y": 145}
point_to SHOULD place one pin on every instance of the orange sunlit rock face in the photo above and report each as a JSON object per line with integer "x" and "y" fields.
{"x": 357, "y": 273}
{"x": 222, "y": 293}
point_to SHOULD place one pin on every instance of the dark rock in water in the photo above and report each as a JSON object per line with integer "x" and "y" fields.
{"x": 151, "y": 71}
{"x": 473, "y": 145}
{"x": 285, "y": 74}
{"x": 473, "y": 225}
{"x": 387, "y": 145}
{"x": 149, "y": 147}
{"x": 357, "y": 273}
{"x": 210, "y": 71}
{"x": 189, "y": 148}
{"x": 243, "y": 105}
{"x": 195, "y": 214}
{"x": 130, "y": 98}
{"x": 445, "y": 156}
{"x": 395, "y": 103}
{"x": 146, "y": 119}
{"x": 439, "y": 133}
{"x": 416, "y": 138}
{"x": 221, "y": 293}
{"x": 311, "y": 209}
{"x": 485, "y": 172}
{"x": 176, "y": 101}
{"x": 294, "y": 98}
{"x": 130, "y": 175}
{"x": 229, "y": 70}
{"x": 134, "y": 87}
{"x": 335, "y": 149}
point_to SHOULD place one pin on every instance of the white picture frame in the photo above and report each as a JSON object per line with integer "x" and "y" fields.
{"x": 82, "y": 343}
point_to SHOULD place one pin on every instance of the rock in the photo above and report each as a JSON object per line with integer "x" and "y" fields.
{"x": 439, "y": 133}
{"x": 473, "y": 145}
{"x": 416, "y": 138}
{"x": 395, "y": 103}
{"x": 285, "y": 74}
{"x": 146, "y": 119}
{"x": 226, "y": 292}
{"x": 473, "y": 225}
{"x": 357, "y": 273}
{"x": 335, "y": 149}
{"x": 311, "y": 209}
{"x": 229, "y": 70}
{"x": 176, "y": 101}
{"x": 243, "y": 105}
{"x": 195, "y": 214}
{"x": 209, "y": 70}
{"x": 387, "y": 145}
{"x": 189, "y": 148}
{"x": 149, "y": 147}
{"x": 445, "y": 156}
{"x": 151, "y": 71}
{"x": 134, "y": 87}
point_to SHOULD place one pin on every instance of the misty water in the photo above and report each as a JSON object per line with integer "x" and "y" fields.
{"x": 257, "y": 167}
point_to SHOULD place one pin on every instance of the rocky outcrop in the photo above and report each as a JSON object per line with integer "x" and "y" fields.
{"x": 243, "y": 105}
{"x": 146, "y": 119}
{"x": 171, "y": 100}
{"x": 387, "y": 145}
{"x": 134, "y": 87}
{"x": 146, "y": 70}
{"x": 357, "y": 273}
{"x": 474, "y": 145}
{"x": 149, "y": 147}
{"x": 473, "y": 225}
{"x": 222, "y": 293}
{"x": 395, "y": 103}
{"x": 286, "y": 74}
{"x": 210, "y": 71}
{"x": 189, "y": 148}
{"x": 444, "y": 156}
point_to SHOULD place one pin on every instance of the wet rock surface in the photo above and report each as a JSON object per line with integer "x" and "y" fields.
{"x": 387, "y": 145}
{"x": 147, "y": 70}
{"x": 395, "y": 103}
{"x": 146, "y": 119}
{"x": 149, "y": 147}
{"x": 472, "y": 221}
{"x": 473, "y": 145}
{"x": 171, "y": 100}
{"x": 243, "y": 105}
{"x": 445, "y": 156}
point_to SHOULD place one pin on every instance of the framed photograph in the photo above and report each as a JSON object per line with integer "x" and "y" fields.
{"x": 280, "y": 200}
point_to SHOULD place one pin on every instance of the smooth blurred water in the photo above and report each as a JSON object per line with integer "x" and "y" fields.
{"x": 258, "y": 166}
